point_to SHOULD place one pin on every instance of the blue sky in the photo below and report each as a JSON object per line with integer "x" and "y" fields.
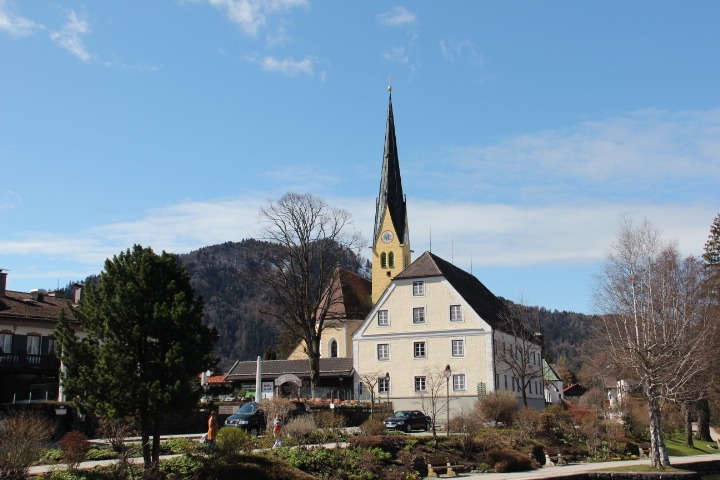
{"x": 526, "y": 129}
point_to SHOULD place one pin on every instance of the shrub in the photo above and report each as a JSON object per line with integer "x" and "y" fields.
{"x": 232, "y": 440}
{"x": 181, "y": 445}
{"x": 372, "y": 426}
{"x": 498, "y": 407}
{"x": 22, "y": 442}
{"x": 75, "y": 447}
{"x": 391, "y": 444}
{"x": 182, "y": 468}
{"x": 508, "y": 460}
{"x": 300, "y": 428}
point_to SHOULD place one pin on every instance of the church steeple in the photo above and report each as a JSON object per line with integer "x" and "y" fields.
{"x": 391, "y": 192}
{"x": 391, "y": 237}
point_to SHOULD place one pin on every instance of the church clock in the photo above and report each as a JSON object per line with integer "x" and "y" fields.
{"x": 387, "y": 236}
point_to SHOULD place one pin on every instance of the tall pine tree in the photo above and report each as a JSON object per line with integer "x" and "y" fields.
{"x": 145, "y": 344}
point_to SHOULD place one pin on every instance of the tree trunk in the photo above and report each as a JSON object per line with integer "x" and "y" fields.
{"x": 145, "y": 438}
{"x": 702, "y": 408}
{"x": 658, "y": 452}
{"x": 314, "y": 357}
{"x": 687, "y": 420}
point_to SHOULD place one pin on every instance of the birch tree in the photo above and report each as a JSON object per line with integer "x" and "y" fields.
{"x": 653, "y": 323}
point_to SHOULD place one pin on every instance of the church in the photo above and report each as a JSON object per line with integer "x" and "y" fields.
{"x": 419, "y": 329}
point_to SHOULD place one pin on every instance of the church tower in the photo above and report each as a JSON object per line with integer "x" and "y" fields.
{"x": 391, "y": 237}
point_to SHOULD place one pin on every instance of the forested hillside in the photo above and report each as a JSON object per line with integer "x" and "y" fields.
{"x": 223, "y": 273}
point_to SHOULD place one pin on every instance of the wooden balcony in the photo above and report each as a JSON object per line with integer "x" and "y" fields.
{"x": 26, "y": 362}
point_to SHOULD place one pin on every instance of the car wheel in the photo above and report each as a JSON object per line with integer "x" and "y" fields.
{"x": 426, "y": 427}
{"x": 254, "y": 432}
{"x": 408, "y": 428}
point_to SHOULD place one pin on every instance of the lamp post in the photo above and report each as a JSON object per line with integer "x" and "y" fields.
{"x": 448, "y": 373}
{"x": 387, "y": 387}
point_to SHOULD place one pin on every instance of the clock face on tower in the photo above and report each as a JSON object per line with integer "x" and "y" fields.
{"x": 387, "y": 236}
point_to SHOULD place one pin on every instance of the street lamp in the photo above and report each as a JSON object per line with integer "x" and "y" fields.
{"x": 387, "y": 387}
{"x": 448, "y": 373}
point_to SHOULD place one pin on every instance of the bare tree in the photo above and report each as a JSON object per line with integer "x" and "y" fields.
{"x": 313, "y": 238}
{"x": 433, "y": 400}
{"x": 371, "y": 380}
{"x": 520, "y": 354}
{"x": 653, "y": 322}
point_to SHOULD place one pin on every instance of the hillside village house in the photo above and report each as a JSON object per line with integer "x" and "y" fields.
{"x": 29, "y": 365}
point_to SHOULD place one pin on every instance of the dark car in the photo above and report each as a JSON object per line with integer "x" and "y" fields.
{"x": 408, "y": 420}
{"x": 250, "y": 417}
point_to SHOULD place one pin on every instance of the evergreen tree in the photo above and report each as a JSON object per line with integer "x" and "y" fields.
{"x": 145, "y": 344}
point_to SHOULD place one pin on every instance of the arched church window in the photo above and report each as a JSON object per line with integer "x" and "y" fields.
{"x": 333, "y": 348}
{"x": 391, "y": 260}
{"x": 383, "y": 260}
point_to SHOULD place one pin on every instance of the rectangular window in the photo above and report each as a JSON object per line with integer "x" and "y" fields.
{"x": 458, "y": 382}
{"x": 419, "y": 315}
{"x": 458, "y": 348}
{"x": 419, "y": 349}
{"x": 505, "y": 381}
{"x": 6, "y": 343}
{"x": 497, "y": 381}
{"x": 383, "y": 351}
{"x": 420, "y": 384}
{"x": 418, "y": 289}
{"x": 33, "y": 345}
{"x": 455, "y": 313}
{"x": 52, "y": 346}
{"x": 383, "y": 385}
{"x": 383, "y": 318}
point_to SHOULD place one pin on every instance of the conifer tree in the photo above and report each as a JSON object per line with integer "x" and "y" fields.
{"x": 144, "y": 347}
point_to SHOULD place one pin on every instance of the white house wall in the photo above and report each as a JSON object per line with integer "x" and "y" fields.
{"x": 437, "y": 333}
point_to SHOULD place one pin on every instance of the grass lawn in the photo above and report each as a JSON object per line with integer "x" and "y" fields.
{"x": 676, "y": 446}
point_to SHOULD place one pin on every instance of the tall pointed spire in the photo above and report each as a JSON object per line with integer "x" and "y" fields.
{"x": 391, "y": 192}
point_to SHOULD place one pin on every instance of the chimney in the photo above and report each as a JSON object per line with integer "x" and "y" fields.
{"x": 77, "y": 292}
{"x": 3, "y": 281}
{"x": 38, "y": 294}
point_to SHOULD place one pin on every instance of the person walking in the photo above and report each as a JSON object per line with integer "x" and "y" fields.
{"x": 277, "y": 433}
{"x": 212, "y": 431}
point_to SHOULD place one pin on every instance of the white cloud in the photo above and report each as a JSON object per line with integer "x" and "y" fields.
{"x": 70, "y": 37}
{"x": 397, "y": 16}
{"x": 643, "y": 155}
{"x": 15, "y": 25}
{"x": 289, "y": 67}
{"x": 460, "y": 50}
{"x": 8, "y": 200}
{"x": 252, "y": 15}
{"x": 397, "y": 55}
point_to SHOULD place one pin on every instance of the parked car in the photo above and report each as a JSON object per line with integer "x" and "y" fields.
{"x": 250, "y": 417}
{"x": 408, "y": 420}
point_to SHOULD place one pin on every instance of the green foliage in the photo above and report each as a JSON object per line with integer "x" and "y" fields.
{"x": 232, "y": 441}
{"x": 184, "y": 467}
{"x": 181, "y": 445}
{"x": 142, "y": 320}
{"x": 351, "y": 464}
{"x": 101, "y": 453}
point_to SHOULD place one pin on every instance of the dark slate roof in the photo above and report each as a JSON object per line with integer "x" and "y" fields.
{"x": 488, "y": 306}
{"x": 329, "y": 368}
{"x": 20, "y": 306}
{"x": 391, "y": 192}
{"x": 355, "y": 302}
